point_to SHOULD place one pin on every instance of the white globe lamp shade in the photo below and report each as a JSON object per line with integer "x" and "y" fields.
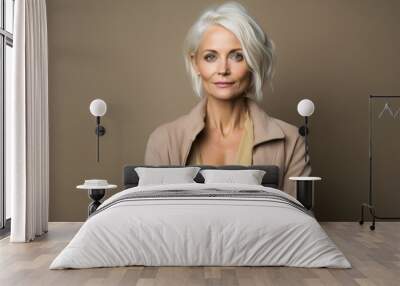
{"x": 98, "y": 107}
{"x": 305, "y": 107}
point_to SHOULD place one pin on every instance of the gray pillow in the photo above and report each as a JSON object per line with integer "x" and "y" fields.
{"x": 162, "y": 176}
{"x": 248, "y": 177}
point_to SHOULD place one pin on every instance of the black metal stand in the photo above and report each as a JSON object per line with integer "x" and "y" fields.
{"x": 370, "y": 204}
{"x": 305, "y": 193}
{"x": 96, "y": 195}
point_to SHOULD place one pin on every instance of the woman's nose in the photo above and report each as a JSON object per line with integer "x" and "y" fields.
{"x": 223, "y": 67}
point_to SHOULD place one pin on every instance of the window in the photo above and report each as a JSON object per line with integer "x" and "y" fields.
{"x": 7, "y": 61}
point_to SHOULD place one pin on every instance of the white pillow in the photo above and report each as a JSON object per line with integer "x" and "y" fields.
{"x": 162, "y": 176}
{"x": 248, "y": 177}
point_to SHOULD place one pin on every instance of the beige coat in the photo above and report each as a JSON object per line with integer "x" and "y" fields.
{"x": 275, "y": 143}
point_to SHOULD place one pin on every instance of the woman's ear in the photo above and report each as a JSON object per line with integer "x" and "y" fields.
{"x": 194, "y": 62}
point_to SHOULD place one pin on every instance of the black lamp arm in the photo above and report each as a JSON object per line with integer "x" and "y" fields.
{"x": 304, "y": 131}
{"x": 100, "y": 131}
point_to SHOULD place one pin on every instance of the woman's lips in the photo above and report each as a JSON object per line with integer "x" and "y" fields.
{"x": 224, "y": 84}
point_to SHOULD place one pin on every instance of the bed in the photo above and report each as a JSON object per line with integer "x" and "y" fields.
{"x": 201, "y": 224}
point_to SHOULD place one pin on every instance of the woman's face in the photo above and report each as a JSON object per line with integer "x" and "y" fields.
{"x": 220, "y": 63}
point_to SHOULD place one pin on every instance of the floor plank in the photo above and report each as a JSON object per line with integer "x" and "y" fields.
{"x": 375, "y": 257}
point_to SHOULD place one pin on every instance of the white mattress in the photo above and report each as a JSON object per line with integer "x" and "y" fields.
{"x": 183, "y": 231}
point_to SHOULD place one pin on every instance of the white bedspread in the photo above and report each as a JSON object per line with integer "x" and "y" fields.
{"x": 200, "y": 231}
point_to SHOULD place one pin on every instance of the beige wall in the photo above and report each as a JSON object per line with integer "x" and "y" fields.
{"x": 129, "y": 54}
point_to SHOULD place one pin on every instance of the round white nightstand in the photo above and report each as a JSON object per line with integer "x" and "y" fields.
{"x": 96, "y": 191}
{"x": 305, "y": 190}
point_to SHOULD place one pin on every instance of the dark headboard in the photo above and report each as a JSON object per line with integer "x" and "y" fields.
{"x": 270, "y": 179}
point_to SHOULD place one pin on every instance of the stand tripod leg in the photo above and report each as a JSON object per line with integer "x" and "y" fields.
{"x": 371, "y": 211}
{"x": 372, "y": 227}
{"x": 362, "y": 215}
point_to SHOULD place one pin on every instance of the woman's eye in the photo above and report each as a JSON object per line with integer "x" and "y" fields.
{"x": 237, "y": 56}
{"x": 209, "y": 57}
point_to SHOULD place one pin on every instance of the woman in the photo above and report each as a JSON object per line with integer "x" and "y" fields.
{"x": 229, "y": 57}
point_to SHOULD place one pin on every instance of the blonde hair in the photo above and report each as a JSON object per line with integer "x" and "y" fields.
{"x": 258, "y": 48}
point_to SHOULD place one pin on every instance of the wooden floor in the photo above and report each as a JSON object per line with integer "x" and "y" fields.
{"x": 375, "y": 256}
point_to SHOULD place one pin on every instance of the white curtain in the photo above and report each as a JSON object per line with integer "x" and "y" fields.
{"x": 27, "y": 124}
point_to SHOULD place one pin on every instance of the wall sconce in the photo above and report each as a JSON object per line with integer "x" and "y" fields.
{"x": 98, "y": 108}
{"x": 305, "y": 108}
